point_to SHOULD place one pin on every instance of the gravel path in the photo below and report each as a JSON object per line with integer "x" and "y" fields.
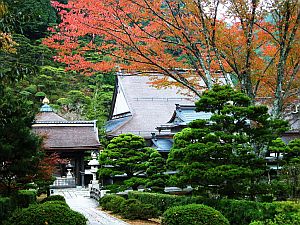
{"x": 78, "y": 200}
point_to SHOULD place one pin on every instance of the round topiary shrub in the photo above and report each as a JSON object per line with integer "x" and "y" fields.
{"x": 193, "y": 214}
{"x": 112, "y": 203}
{"x": 105, "y": 199}
{"x": 54, "y": 198}
{"x": 41, "y": 214}
{"x": 134, "y": 209}
{"x": 24, "y": 198}
{"x": 115, "y": 204}
{"x": 127, "y": 203}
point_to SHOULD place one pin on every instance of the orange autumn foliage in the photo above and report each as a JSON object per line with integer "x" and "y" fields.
{"x": 193, "y": 42}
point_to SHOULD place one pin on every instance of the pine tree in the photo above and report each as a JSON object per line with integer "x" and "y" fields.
{"x": 225, "y": 155}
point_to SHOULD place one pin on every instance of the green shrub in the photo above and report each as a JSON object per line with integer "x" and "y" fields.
{"x": 41, "y": 214}
{"x": 112, "y": 202}
{"x": 6, "y": 208}
{"x": 105, "y": 199}
{"x": 281, "y": 219}
{"x": 193, "y": 214}
{"x": 134, "y": 209}
{"x": 115, "y": 204}
{"x": 115, "y": 188}
{"x": 286, "y": 207}
{"x": 265, "y": 198}
{"x": 244, "y": 212}
{"x": 24, "y": 198}
{"x": 56, "y": 203}
{"x": 238, "y": 212}
{"x": 126, "y": 204}
{"x": 164, "y": 201}
{"x": 54, "y": 198}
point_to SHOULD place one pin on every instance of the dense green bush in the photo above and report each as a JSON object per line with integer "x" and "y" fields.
{"x": 105, "y": 199}
{"x": 238, "y": 212}
{"x": 56, "y": 203}
{"x": 115, "y": 204}
{"x": 134, "y": 209}
{"x": 112, "y": 202}
{"x": 41, "y": 214}
{"x": 243, "y": 212}
{"x": 193, "y": 214}
{"x": 24, "y": 198}
{"x": 54, "y": 198}
{"x": 164, "y": 201}
{"x": 126, "y": 204}
{"x": 6, "y": 207}
{"x": 281, "y": 219}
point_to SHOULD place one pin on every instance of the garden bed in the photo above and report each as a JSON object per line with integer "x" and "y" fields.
{"x": 134, "y": 222}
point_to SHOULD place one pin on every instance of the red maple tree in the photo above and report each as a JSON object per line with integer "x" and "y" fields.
{"x": 196, "y": 43}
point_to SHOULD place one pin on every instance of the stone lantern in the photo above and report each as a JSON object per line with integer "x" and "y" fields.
{"x": 69, "y": 167}
{"x": 94, "y": 166}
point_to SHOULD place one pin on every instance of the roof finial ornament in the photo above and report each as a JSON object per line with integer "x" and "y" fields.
{"x": 46, "y": 107}
{"x": 46, "y": 101}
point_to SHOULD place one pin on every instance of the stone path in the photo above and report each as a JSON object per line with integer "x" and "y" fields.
{"x": 78, "y": 200}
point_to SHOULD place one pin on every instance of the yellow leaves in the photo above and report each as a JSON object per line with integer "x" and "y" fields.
{"x": 3, "y": 9}
{"x": 7, "y": 44}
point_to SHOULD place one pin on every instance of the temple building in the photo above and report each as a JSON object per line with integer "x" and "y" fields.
{"x": 158, "y": 114}
{"x": 71, "y": 140}
{"x": 182, "y": 116}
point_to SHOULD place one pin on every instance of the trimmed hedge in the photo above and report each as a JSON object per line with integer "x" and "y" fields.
{"x": 56, "y": 203}
{"x": 6, "y": 208}
{"x": 238, "y": 212}
{"x": 24, "y": 198}
{"x": 193, "y": 214}
{"x": 134, "y": 209}
{"x": 105, "y": 199}
{"x": 164, "y": 201}
{"x": 244, "y": 212}
{"x": 129, "y": 209}
{"x": 126, "y": 204}
{"x": 112, "y": 202}
{"x": 54, "y": 198}
{"x": 41, "y": 214}
{"x": 281, "y": 219}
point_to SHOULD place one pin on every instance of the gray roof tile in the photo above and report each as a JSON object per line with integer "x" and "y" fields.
{"x": 68, "y": 136}
{"x": 150, "y": 107}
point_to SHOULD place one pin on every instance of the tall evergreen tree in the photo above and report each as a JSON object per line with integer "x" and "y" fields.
{"x": 19, "y": 148}
{"x": 127, "y": 155}
{"x": 225, "y": 155}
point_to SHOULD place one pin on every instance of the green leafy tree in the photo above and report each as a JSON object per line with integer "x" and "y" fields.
{"x": 278, "y": 147}
{"x": 225, "y": 155}
{"x": 19, "y": 148}
{"x": 28, "y": 17}
{"x": 156, "y": 168}
{"x": 127, "y": 155}
{"x": 290, "y": 171}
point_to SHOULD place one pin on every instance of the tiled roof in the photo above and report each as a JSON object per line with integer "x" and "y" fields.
{"x": 75, "y": 136}
{"x": 59, "y": 133}
{"x": 49, "y": 117}
{"x": 185, "y": 114}
{"x": 149, "y": 107}
{"x": 162, "y": 144}
{"x": 116, "y": 123}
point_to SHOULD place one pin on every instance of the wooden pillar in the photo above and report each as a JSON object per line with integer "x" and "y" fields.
{"x": 82, "y": 169}
{"x": 77, "y": 169}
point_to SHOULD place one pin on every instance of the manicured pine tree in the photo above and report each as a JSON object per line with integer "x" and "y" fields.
{"x": 225, "y": 155}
